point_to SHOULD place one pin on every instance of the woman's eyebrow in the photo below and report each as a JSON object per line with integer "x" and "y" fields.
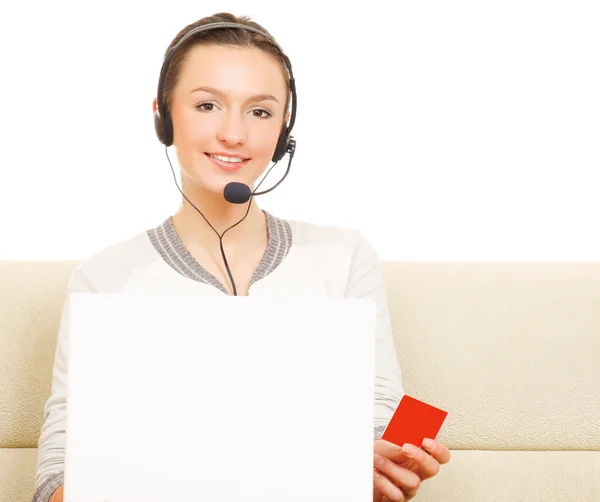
{"x": 217, "y": 92}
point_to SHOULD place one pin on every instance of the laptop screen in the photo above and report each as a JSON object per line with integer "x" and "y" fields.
{"x": 188, "y": 398}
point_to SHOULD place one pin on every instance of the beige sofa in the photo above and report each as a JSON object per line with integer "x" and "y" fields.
{"x": 510, "y": 350}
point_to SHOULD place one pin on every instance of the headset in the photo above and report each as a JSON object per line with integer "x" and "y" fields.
{"x": 163, "y": 123}
{"x": 234, "y": 192}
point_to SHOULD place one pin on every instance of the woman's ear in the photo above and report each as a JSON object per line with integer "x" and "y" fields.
{"x": 287, "y": 119}
{"x": 154, "y": 108}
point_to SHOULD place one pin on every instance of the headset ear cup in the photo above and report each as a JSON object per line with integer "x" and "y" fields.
{"x": 281, "y": 148}
{"x": 158, "y": 127}
{"x": 167, "y": 129}
{"x": 163, "y": 128}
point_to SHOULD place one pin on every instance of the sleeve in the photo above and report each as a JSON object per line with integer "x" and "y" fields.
{"x": 51, "y": 445}
{"x": 366, "y": 281}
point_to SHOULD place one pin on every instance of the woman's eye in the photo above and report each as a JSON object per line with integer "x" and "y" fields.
{"x": 261, "y": 114}
{"x": 205, "y": 107}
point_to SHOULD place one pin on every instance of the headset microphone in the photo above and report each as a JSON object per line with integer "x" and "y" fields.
{"x": 237, "y": 193}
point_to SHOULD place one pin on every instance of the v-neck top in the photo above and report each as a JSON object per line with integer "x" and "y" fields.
{"x": 167, "y": 242}
{"x": 301, "y": 260}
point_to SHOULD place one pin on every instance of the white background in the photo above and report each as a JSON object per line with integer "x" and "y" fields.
{"x": 441, "y": 130}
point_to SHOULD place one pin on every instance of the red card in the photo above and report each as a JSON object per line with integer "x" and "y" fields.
{"x": 414, "y": 421}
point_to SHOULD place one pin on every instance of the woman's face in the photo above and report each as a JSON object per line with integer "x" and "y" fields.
{"x": 227, "y": 111}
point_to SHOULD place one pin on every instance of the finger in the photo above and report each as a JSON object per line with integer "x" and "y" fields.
{"x": 406, "y": 480}
{"x": 437, "y": 450}
{"x": 389, "y": 491}
{"x": 424, "y": 464}
{"x": 390, "y": 450}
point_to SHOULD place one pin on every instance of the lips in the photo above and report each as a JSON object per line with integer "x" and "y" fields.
{"x": 227, "y": 162}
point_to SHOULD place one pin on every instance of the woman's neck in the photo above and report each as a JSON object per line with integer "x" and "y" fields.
{"x": 194, "y": 230}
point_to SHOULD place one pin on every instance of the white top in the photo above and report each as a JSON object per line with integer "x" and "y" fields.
{"x": 301, "y": 260}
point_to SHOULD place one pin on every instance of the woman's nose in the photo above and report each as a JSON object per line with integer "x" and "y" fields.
{"x": 232, "y": 130}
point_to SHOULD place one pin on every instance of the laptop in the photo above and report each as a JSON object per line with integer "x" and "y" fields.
{"x": 184, "y": 398}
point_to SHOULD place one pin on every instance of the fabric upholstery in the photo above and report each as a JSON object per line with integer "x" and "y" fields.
{"x": 510, "y": 350}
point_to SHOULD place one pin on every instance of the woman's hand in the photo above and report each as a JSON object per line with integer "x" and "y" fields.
{"x": 57, "y": 496}
{"x": 398, "y": 472}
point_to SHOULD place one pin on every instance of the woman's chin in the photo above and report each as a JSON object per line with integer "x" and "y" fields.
{"x": 212, "y": 186}
{"x": 216, "y": 190}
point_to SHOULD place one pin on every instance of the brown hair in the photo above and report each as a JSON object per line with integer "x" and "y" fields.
{"x": 225, "y": 36}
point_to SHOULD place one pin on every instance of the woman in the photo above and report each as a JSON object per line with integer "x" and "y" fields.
{"x": 226, "y": 102}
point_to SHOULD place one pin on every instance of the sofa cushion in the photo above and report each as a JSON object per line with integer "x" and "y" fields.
{"x": 31, "y": 299}
{"x": 17, "y": 474}
{"x": 471, "y": 476}
{"x": 518, "y": 476}
{"x": 510, "y": 350}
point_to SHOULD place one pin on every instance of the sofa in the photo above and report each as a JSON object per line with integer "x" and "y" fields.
{"x": 510, "y": 350}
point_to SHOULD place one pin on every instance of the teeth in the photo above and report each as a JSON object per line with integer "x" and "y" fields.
{"x": 226, "y": 159}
